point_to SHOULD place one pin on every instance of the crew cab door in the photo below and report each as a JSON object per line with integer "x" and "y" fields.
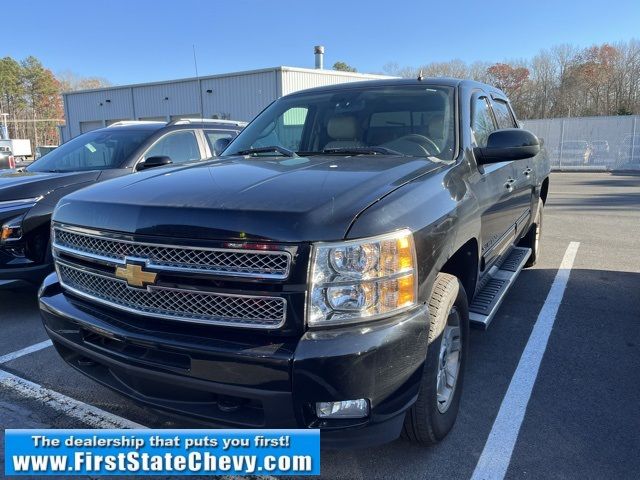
{"x": 495, "y": 188}
{"x": 523, "y": 170}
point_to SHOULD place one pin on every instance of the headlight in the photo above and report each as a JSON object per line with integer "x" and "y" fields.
{"x": 362, "y": 279}
{"x": 11, "y": 230}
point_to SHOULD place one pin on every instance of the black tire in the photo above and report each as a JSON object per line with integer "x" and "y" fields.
{"x": 532, "y": 238}
{"x": 425, "y": 423}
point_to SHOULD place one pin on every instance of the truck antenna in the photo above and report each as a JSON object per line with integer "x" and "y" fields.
{"x": 195, "y": 64}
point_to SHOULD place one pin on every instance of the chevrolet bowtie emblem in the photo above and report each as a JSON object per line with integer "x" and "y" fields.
{"x": 135, "y": 276}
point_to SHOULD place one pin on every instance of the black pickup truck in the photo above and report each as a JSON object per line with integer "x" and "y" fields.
{"x": 322, "y": 273}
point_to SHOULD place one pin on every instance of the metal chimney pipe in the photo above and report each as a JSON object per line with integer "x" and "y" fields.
{"x": 318, "y": 50}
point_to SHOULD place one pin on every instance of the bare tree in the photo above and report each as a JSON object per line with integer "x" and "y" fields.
{"x": 563, "y": 81}
{"x": 71, "y": 81}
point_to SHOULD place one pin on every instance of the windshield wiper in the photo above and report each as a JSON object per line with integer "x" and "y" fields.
{"x": 270, "y": 149}
{"x": 362, "y": 151}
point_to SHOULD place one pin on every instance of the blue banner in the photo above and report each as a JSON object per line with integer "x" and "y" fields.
{"x": 162, "y": 452}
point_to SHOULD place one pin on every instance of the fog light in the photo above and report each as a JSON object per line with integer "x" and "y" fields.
{"x": 345, "y": 409}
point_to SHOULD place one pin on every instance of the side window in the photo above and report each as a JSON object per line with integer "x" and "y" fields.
{"x": 214, "y": 135}
{"x": 503, "y": 114}
{"x": 482, "y": 122}
{"x": 180, "y": 147}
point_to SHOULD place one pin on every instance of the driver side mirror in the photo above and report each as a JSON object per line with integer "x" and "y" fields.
{"x": 506, "y": 145}
{"x": 153, "y": 162}
{"x": 220, "y": 144}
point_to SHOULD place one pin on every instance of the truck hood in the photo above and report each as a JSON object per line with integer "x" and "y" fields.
{"x": 15, "y": 185}
{"x": 275, "y": 198}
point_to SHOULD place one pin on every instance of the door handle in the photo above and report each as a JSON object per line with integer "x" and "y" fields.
{"x": 527, "y": 171}
{"x": 509, "y": 184}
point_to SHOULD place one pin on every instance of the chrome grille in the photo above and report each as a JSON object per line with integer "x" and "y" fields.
{"x": 175, "y": 304}
{"x": 231, "y": 262}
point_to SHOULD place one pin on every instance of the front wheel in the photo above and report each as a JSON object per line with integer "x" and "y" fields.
{"x": 434, "y": 413}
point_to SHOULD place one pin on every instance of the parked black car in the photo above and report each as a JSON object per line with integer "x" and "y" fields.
{"x": 28, "y": 196}
{"x": 321, "y": 274}
{"x": 7, "y": 160}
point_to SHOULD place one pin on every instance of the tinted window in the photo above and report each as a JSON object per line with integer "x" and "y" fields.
{"x": 503, "y": 115}
{"x": 92, "y": 151}
{"x": 482, "y": 123}
{"x": 416, "y": 121}
{"x": 214, "y": 135}
{"x": 286, "y": 131}
{"x": 384, "y": 119}
{"x": 180, "y": 146}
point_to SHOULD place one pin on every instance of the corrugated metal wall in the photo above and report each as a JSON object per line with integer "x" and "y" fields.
{"x": 294, "y": 79}
{"x": 92, "y": 106}
{"x": 239, "y": 96}
{"x": 166, "y": 99}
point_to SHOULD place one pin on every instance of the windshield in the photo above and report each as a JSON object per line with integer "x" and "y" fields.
{"x": 99, "y": 150}
{"x": 407, "y": 120}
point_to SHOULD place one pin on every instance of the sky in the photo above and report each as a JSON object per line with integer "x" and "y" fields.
{"x": 142, "y": 40}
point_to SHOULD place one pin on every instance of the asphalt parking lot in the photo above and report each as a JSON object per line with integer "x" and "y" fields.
{"x": 582, "y": 419}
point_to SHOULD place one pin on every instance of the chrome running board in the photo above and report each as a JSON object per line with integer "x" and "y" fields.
{"x": 488, "y": 299}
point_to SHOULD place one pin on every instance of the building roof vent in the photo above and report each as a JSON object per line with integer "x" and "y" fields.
{"x": 318, "y": 50}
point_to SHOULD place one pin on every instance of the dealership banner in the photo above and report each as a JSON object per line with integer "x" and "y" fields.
{"x": 162, "y": 452}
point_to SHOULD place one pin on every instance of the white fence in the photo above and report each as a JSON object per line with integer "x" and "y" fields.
{"x": 590, "y": 143}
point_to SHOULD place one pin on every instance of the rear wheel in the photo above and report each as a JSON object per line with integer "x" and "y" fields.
{"x": 532, "y": 238}
{"x": 435, "y": 411}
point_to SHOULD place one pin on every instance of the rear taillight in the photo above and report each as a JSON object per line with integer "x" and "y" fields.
{"x": 12, "y": 162}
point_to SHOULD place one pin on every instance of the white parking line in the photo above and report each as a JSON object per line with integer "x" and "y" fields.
{"x": 25, "y": 351}
{"x": 88, "y": 414}
{"x": 496, "y": 455}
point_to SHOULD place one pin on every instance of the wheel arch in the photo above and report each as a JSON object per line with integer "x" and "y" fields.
{"x": 544, "y": 190}
{"x": 464, "y": 265}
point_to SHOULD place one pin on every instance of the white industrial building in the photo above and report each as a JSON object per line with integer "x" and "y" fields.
{"x": 237, "y": 96}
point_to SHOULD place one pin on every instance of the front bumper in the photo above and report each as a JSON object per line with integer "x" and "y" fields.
{"x": 28, "y": 274}
{"x": 222, "y": 377}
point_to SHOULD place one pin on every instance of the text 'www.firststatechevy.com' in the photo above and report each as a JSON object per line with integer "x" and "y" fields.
{"x": 176, "y": 452}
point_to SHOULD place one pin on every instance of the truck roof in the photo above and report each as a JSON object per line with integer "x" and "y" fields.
{"x": 157, "y": 125}
{"x": 394, "y": 82}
